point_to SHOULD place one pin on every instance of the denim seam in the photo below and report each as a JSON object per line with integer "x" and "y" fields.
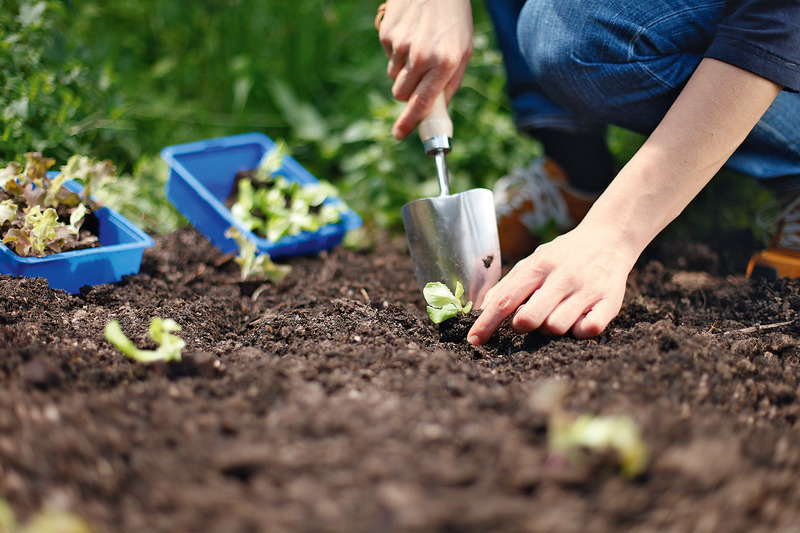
{"x": 635, "y": 38}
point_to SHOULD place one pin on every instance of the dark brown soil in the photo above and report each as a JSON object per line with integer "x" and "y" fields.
{"x": 329, "y": 402}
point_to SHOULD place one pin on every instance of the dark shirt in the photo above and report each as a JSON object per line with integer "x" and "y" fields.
{"x": 763, "y": 37}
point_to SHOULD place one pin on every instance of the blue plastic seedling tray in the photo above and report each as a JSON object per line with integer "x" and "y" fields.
{"x": 121, "y": 253}
{"x": 202, "y": 176}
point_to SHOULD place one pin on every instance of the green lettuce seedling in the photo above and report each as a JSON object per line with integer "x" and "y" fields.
{"x": 443, "y": 304}
{"x": 253, "y": 265}
{"x": 45, "y": 521}
{"x": 160, "y": 330}
{"x": 8, "y": 211}
{"x": 276, "y": 207}
{"x": 271, "y": 162}
{"x": 91, "y": 174}
{"x": 617, "y": 434}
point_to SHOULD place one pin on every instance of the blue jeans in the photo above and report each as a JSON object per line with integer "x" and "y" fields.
{"x": 579, "y": 65}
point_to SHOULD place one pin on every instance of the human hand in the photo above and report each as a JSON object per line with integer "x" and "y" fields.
{"x": 428, "y": 45}
{"x": 575, "y": 282}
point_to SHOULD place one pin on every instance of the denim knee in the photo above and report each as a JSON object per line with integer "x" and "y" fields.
{"x": 620, "y": 62}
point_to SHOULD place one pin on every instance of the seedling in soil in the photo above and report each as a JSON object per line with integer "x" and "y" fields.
{"x": 255, "y": 266}
{"x": 442, "y": 303}
{"x": 274, "y": 207}
{"x": 38, "y": 216}
{"x": 576, "y": 439}
{"x": 45, "y": 521}
{"x": 600, "y": 434}
{"x": 160, "y": 330}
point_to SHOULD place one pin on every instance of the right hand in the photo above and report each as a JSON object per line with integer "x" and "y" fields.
{"x": 575, "y": 282}
{"x": 428, "y": 44}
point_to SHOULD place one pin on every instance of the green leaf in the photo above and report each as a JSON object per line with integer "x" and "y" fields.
{"x": 438, "y": 295}
{"x": 43, "y": 226}
{"x": 618, "y": 434}
{"x": 271, "y": 162}
{"x": 8, "y": 211}
{"x": 114, "y": 335}
{"x": 76, "y": 218}
{"x": 170, "y": 346}
{"x": 443, "y": 304}
{"x": 160, "y": 330}
{"x": 438, "y": 315}
{"x": 459, "y": 291}
{"x": 91, "y": 174}
{"x": 254, "y": 265}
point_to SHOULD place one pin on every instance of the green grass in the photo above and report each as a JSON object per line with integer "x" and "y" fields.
{"x": 121, "y": 79}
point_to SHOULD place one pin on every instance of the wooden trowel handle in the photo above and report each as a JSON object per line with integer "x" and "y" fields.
{"x": 437, "y": 123}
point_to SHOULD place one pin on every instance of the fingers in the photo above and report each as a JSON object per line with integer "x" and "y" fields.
{"x": 418, "y": 82}
{"x": 552, "y": 299}
{"x": 595, "y": 321}
{"x": 547, "y": 311}
{"x": 418, "y": 107}
{"x": 501, "y": 301}
{"x": 397, "y": 61}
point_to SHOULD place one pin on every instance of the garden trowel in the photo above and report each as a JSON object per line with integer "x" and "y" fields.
{"x": 452, "y": 237}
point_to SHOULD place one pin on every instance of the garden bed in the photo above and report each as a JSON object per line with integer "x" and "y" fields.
{"x": 330, "y": 402}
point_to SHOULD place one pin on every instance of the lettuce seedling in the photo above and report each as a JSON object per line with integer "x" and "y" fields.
{"x": 34, "y": 208}
{"x": 160, "y": 330}
{"x": 275, "y": 207}
{"x": 617, "y": 434}
{"x": 443, "y": 304}
{"x": 254, "y": 265}
{"x": 89, "y": 173}
{"x": 271, "y": 162}
{"x": 8, "y": 211}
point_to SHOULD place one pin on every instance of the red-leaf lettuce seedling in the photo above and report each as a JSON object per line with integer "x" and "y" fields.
{"x": 34, "y": 208}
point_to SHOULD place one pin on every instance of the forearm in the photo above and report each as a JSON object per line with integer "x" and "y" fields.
{"x": 712, "y": 116}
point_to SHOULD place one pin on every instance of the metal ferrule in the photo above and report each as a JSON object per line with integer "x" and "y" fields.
{"x": 437, "y": 143}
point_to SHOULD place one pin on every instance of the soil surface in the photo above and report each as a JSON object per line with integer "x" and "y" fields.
{"x": 330, "y": 402}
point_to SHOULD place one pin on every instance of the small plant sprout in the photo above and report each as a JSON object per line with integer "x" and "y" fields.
{"x": 254, "y": 265}
{"x": 443, "y": 304}
{"x": 38, "y": 215}
{"x": 271, "y": 162}
{"x": 275, "y": 207}
{"x": 45, "y": 521}
{"x": 91, "y": 174}
{"x": 8, "y": 211}
{"x": 616, "y": 434}
{"x": 161, "y": 331}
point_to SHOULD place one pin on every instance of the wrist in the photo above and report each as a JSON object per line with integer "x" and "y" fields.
{"x": 613, "y": 232}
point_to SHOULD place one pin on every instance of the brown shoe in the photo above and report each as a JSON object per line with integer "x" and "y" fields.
{"x": 782, "y": 258}
{"x": 534, "y": 205}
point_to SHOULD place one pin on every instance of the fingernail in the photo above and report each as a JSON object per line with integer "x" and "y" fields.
{"x": 474, "y": 340}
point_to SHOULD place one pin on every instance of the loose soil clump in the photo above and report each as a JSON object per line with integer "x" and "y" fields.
{"x": 329, "y": 402}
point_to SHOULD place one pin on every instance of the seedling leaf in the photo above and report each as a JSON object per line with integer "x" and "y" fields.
{"x": 439, "y": 315}
{"x": 438, "y": 295}
{"x": 271, "y": 162}
{"x": 254, "y": 265}
{"x": 617, "y": 434}
{"x": 160, "y": 330}
{"x": 8, "y": 211}
{"x": 442, "y": 303}
{"x": 280, "y": 207}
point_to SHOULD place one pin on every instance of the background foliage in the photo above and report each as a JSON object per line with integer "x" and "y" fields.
{"x": 121, "y": 79}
